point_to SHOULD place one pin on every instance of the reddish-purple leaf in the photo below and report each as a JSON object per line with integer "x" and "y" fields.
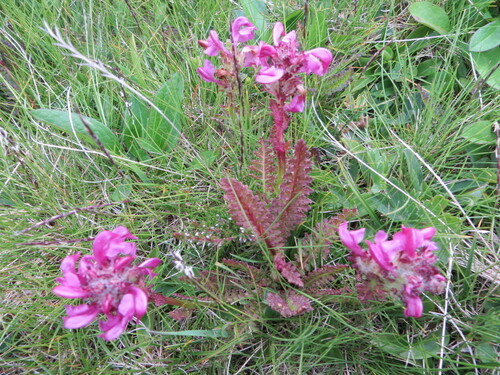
{"x": 248, "y": 211}
{"x": 292, "y": 204}
{"x": 254, "y": 273}
{"x": 264, "y": 168}
{"x": 180, "y": 314}
{"x": 288, "y": 270}
{"x": 289, "y": 304}
{"x": 323, "y": 276}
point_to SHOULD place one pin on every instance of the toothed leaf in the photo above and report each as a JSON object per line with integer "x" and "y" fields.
{"x": 288, "y": 270}
{"x": 323, "y": 276}
{"x": 292, "y": 203}
{"x": 248, "y": 211}
{"x": 264, "y": 168}
{"x": 290, "y": 304}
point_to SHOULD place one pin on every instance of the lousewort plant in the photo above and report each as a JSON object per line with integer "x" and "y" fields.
{"x": 402, "y": 267}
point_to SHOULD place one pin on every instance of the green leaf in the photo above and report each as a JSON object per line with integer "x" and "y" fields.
{"x": 160, "y": 132}
{"x": 486, "y": 38}
{"x": 414, "y": 170}
{"x": 71, "y": 124}
{"x": 292, "y": 19}
{"x": 399, "y": 347}
{"x": 480, "y": 132}
{"x": 148, "y": 145}
{"x": 122, "y": 191}
{"x": 207, "y": 158}
{"x": 317, "y": 31}
{"x": 136, "y": 120}
{"x": 393, "y": 204}
{"x": 431, "y": 15}
{"x": 485, "y": 63}
{"x": 486, "y": 352}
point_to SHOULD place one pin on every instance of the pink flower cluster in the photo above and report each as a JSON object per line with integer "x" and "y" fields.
{"x": 110, "y": 284}
{"x": 401, "y": 267}
{"x": 279, "y": 67}
{"x": 278, "y": 64}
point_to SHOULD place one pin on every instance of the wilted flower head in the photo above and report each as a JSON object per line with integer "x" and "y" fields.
{"x": 110, "y": 284}
{"x": 402, "y": 267}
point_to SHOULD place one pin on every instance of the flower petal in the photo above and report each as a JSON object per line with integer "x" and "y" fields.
{"x": 269, "y": 75}
{"x": 150, "y": 263}
{"x": 108, "y": 244}
{"x": 414, "y": 306}
{"x": 317, "y": 61}
{"x": 214, "y": 45}
{"x": 124, "y": 233}
{"x": 297, "y": 104}
{"x": 68, "y": 263}
{"x": 123, "y": 262}
{"x": 140, "y": 301}
{"x": 383, "y": 251}
{"x": 352, "y": 238}
{"x": 278, "y": 31}
{"x": 69, "y": 292}
{"x": 242, "y": 30}
{"x": 79, "y": 316}
{"x": 114, "y": 327}
{"x": 207, "y": 72}
{"x": 127, "y": 306}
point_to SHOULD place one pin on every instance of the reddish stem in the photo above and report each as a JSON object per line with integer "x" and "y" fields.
{"x": 281, "y": 122}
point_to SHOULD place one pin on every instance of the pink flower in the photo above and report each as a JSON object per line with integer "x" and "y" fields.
{"x": 269, "y": 75}
{"x": 414, "y": 305}
{"x": 207, "y": 72}
{"x": 242, "y": 30}
{"x": 111, "y": 285}
{"x": 297, "y": 104}
{"x": 401, "y": 267}
{"x": 383, "y": 251}
{"x": 111, "y": 243}
{"x": 257, "y": 55}
{"x": 352, "y": 238}
{"x": 317, "y": 61}
{"x": 213, "y": 45}
{"x": 278, "y": 32}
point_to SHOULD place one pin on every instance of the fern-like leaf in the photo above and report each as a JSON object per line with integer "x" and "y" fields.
{"x": 264, "y": 168}
{"x": 291, "y": 205}
{"x": 323, "y": 276}
{"x": 254, "y": 273}
{"x": 248, "y": 211}
{"x": 288, "y": 270}
{"x": 289, "y": 304}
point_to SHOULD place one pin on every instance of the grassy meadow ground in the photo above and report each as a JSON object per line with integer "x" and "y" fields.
{"x": 394, "y": 127}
